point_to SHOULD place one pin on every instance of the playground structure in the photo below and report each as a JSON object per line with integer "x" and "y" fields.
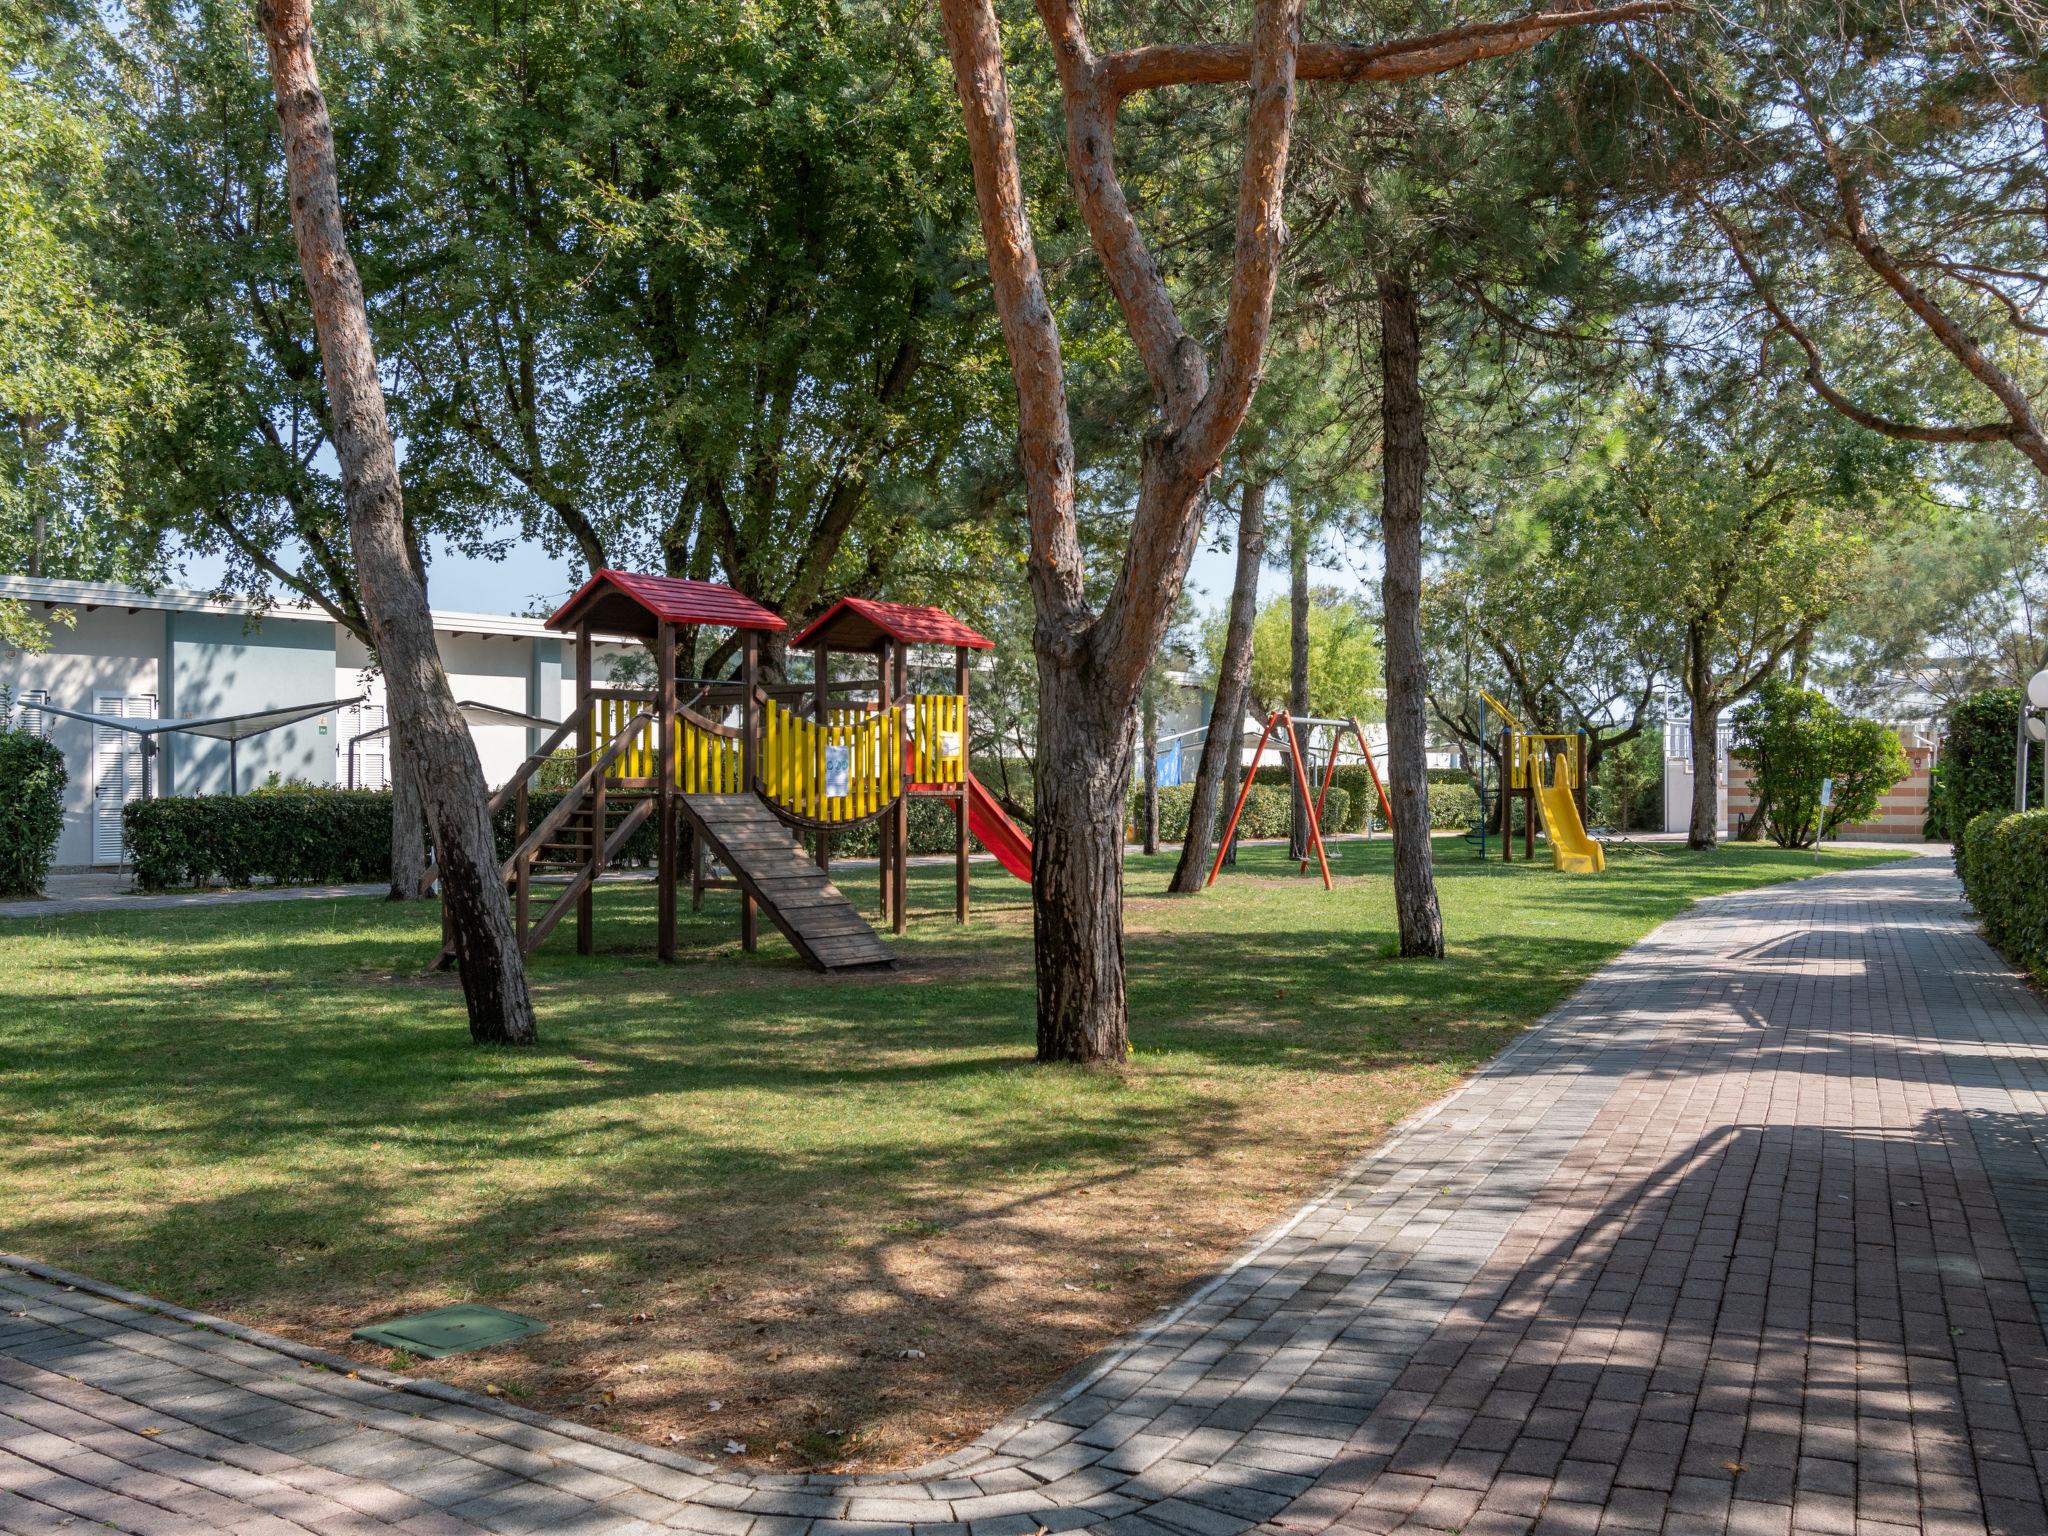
{"x": 1285, "y": 724}
{"x": 750, "y": 768}
{"x": 1546, "y": 771}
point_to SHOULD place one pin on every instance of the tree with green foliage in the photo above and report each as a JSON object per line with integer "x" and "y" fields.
{"x": 1343, "y": 655}
{"x": 1798, "y": 746}
{"x": 1869, "y": 175}
{"x": 82, "y": 376}
{"x": 1742, "y": 515}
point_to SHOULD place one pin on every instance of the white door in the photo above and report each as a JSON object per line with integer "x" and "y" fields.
{"x": 116, "y": 769}
{"x": 372, "y": 763}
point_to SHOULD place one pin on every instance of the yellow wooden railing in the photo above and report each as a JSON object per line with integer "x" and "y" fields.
{"x": 845, "y": 770}
{"x": 706, "y": 763}
{"x": 608, "y": 716}
{"x": 939, "y": 738}
{"x": 1553, "y": 757}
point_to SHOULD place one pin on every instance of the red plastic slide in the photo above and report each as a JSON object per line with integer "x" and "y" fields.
{"x": 999, "y": 835}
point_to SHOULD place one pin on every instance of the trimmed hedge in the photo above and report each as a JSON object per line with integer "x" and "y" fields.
{"x": 32, "y": 780}
{"x": 343, "y": 837}
{"x": 304, "y": 836}
{"x": 2003, "y": 861}
{"x": 1979, "y": 761}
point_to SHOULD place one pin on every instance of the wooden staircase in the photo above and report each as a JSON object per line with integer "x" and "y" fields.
{"x": 772, "y": 868}
{"x": 558, "y": 851}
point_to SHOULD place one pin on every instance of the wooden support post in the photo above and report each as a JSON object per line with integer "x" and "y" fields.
{"x": 885, "y": 828}
{"x": 586, "y": 751}
{"x": 901, "y": 814}
{"x": 1507, "y": 796}
{"x": 821, "y": 666}
{"x": 960, "y": 882}
{"x": 665, "y": 791}
{"x": 750, "y": 763}
{"x": 1580, "y": 789}
{"x": 522, "y": 873}
{"x": 696, "y": 874}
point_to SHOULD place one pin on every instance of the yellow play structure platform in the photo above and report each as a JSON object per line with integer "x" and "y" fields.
{"x": 1547, "y": 769}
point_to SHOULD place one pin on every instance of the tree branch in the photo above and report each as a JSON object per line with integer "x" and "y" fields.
{"x": 1408, "y": 58}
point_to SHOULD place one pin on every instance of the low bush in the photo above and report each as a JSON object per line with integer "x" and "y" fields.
{"x": 2003, "y": 860}
{"x": 32, "y": 780}
{"x": 292, "y": 837}
{"x": 1360, "y": 798}
{"x": 1453, "y": 806}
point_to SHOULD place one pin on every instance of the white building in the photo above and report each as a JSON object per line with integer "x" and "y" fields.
{"x": 188, "y": 656}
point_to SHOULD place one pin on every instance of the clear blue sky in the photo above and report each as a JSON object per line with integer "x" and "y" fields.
{"x": 528, "y": 580}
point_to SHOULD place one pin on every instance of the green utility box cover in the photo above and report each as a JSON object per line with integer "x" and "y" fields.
{"x": 451, "y": 1330}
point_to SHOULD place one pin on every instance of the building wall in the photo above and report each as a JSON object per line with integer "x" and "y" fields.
{"x": 1901, "y": 815}
{"x": 225, "y": 664}
{"x": 108, "y": 651}
{"x": 513, "y": 672}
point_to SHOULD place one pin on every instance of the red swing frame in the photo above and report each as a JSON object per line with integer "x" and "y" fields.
{"x": 1330, "y": 775}
{"x": 1315, "y": 828}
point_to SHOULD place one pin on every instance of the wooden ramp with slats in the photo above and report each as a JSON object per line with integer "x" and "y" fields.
{"x": 764, "y": 857}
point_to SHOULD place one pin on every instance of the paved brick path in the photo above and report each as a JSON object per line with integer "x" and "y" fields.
{"x": 1751, "y": 1236}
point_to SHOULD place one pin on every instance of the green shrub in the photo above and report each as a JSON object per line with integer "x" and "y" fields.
{"x": 2003, "y": 860}
{"x": 1360, "y": 799}
{"x": 1979, "y": 761}
{"x": 32, "y": 780}
{"x": 1453, "y": 806}
{"x": 292, "y": 837}
{"x": 1794, "y": 740}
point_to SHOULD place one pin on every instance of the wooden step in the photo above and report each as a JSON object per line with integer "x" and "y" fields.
{"x": 770, "y": 866}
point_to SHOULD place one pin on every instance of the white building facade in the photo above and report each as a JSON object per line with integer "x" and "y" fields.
{"x": 189, "y": 656}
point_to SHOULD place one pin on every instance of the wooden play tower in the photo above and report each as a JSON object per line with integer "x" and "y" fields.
{"x": 749, "y": 768}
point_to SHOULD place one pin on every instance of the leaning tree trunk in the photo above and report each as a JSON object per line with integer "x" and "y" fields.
{"x": 1297, "y": 672}
{"x": 1406, "y": 452}
{"x": 1149, "y": 831}
{"x": 1223, "y": 748}
{"x": 408, "y": 831}
{"x": 1077, "y": 866}
{"x": 430, "y": 732}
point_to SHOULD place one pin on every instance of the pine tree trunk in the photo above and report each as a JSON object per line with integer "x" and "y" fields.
{"x": 1297, "y": 671}
{"x": 1406, "y": 452}
{"x": 1223, "y": 750}
{"x": 408, "y": 829}
{"x": 1077, "y": 867}
{"x": 430, "y": 731}
{"x": 1704, "y": 831}
{"x": 1149, "y": 831}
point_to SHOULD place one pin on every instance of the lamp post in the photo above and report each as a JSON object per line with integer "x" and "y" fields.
{"x": 2032, "y": 728}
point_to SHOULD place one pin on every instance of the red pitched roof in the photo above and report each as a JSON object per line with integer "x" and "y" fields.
{"x": 857, "y": 623}
{"x": 626, "y": 603}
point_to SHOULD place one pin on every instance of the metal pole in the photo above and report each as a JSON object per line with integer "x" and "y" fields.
{"x": 234, "y": 768}
{"x": 2019, "y": 787}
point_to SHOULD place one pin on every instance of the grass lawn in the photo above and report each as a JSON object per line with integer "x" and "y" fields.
{"x": 733, "y": 1183}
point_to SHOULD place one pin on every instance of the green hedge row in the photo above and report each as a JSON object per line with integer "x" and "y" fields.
{"x": 343, "y": 837}
{"x": 2003, "y": 860}
{"x": 32, "y": 780}
{"x": 334, "y": 836}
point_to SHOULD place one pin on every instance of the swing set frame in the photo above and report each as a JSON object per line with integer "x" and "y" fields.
{"x": 1280, "y": 719}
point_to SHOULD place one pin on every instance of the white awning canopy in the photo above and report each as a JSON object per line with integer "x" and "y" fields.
{"x": 476, "y": 714}
{"x": 219, "y": 727}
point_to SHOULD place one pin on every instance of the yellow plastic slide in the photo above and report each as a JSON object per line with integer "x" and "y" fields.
{"x": 1570, "y": 848}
